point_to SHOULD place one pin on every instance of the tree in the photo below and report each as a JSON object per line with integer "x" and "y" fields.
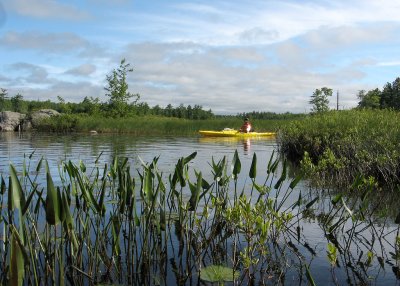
{"x": 3, "y": 98}
{"x": 17, "y": 103}
{"x": 390, "y": 95}
{"x": 320, "y": 100}
{"x": 117, "y": 90}
{"x": 370, "y": 99}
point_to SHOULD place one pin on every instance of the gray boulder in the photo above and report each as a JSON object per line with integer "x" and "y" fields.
{"x": 41, "y": 114}
{"x": 11, "y": 121}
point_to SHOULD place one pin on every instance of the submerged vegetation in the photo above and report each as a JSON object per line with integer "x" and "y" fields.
{"x": 341, "y": 145}
{"x": 102, "y": 224}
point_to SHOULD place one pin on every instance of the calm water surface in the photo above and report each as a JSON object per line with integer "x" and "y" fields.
{"x": 57, "y": 148}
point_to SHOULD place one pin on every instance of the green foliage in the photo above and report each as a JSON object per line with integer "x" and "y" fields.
{"x": 345, "y": 144}
{"x": 388, "y": 97}
{"x": 4, "y": 101}
{"x": 370, "y": 99}
{"x": 61, "y": 123}
{"x": 117, "y": 90}
{"x": 319, "y": 100}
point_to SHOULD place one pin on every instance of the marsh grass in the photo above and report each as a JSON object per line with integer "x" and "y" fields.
{"x": 109, "y": 225}
{"x": 341, "y": 145}
{"x": 149, "y": 125}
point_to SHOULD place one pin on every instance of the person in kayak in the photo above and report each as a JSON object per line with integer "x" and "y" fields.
{"x": 246, "y": 127}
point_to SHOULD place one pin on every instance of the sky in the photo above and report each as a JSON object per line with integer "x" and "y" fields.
{"x": 230, "y": 56}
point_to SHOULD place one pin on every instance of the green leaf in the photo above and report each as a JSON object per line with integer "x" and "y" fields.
{"x": 282, "y": 177}
{"x": 336, "y": 199}
{"x": 309, "y": 205}
{"x": 295, "y": 181}
{"x": 17, "y": 269}
{"x": 52, "y": 203}
{"x": 253, "y": 168}
{"x": 17, "y": 195}
{"x": 189, "y": 158}
{"x": 195, "y": 193}
{"x": 218, "y": 273}
{"x": 236, "y": 165}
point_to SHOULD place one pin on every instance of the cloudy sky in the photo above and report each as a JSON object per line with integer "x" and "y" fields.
{"x": 228, "y": 55}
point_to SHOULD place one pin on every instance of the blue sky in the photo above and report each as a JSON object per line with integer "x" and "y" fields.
{"x": 231, "y": 56}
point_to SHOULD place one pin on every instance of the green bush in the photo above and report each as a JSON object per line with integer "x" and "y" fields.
{"x": 61, "y": 123}
{"x": 346, "y": 143}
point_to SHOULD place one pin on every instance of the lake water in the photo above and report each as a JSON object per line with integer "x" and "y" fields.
{"x": 312, "y": 247}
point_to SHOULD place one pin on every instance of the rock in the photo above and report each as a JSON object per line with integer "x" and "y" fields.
{"x": 41, "y": 114}
{"x": 11, "y": 121}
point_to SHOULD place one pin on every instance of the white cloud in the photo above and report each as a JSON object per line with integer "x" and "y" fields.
{"x": 82, "y": 70}
{"x": 54, "y": 43}
{"x": 229, "y": 56}
{"x": 46, "y": 9}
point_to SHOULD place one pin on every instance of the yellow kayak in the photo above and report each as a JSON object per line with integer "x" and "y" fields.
{"x": 234, "y": 133}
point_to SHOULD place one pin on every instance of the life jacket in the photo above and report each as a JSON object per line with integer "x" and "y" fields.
{"x": 246, "y": 127}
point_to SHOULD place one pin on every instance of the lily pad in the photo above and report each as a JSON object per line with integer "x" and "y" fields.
{"x": 218, "y": 273}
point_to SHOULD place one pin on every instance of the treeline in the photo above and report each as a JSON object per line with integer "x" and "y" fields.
{"x": 93, "y": 107}
{"x": 270, "y": 115}
{"x": 388, "y": 97}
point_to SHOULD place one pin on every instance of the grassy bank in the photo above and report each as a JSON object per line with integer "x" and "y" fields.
{"x": 150, "y": 125}
{"x": 346, "y": 143}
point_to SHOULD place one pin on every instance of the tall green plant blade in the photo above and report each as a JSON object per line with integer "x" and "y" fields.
{"x": 2, "y": 185}
{"x": 148, "y": 185}
{"x": 309, "y": 276}
{"x": 195, "y": 193}
{"x": 17, "y": 195}
{"x": 103, "y": 191}
{"x": 282, "y": 178}
{"x": 116, "y": 225}
{"x": 17, "y": 267}
{"x": 312, "y": 202}
{"x": 189, "y": 158}
{"x": 52, "y": 202}
{"x": 39, "y": 165}
{"x": 253, "y": 168}
{"x": 68, "y": 222}
{"x": 236, "y": 165}
{"x": 28, "y": 201}
{"x": 295, "y": 181}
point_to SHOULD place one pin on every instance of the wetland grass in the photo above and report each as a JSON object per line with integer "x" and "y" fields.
{"x": 340, "y": 145}
{"x": 150, "y": 125}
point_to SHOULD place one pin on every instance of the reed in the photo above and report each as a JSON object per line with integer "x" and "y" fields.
{"x": 150, "y": 125}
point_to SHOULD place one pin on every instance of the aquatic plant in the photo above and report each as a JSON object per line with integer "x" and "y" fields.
{"x": 93, "y": 224}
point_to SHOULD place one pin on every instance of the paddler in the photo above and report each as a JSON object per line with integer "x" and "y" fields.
{"x": 246, "y": 127}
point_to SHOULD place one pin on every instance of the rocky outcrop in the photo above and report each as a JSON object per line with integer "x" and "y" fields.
{"x": 14, "y": 121}
{"x": 11, "y": 121}
{"x": 41, "y": 114}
